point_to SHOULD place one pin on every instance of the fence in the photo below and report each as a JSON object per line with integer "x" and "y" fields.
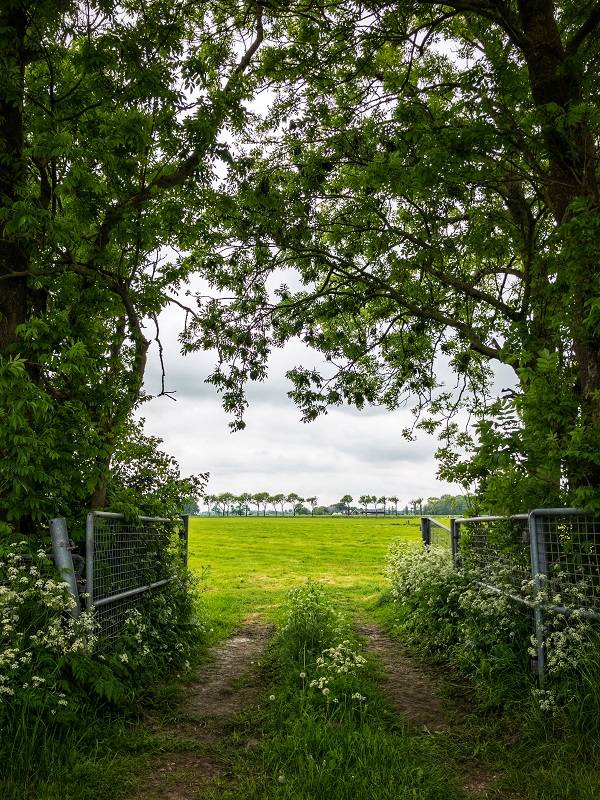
{"x": 125, "y": 562}
{"x": 547, "y": 560}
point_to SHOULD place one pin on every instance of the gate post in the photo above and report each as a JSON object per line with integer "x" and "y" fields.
{"x": 454, "y": 534}
{"x": 184, "y": 537}
{"x": 426, "y": 531}
{"x": 539, "y": 570}
{"x": 61, "y": 550}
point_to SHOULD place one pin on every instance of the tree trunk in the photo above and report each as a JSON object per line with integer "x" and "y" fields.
{"x": 14, "y": 260}
{"x": 556, "y": 84}
{"x": 98, "y": 498}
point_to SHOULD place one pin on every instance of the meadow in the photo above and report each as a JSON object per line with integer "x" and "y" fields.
{"x": 247, "y": 564}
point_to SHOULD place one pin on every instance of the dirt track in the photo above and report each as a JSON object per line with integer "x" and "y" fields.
{"x": 219, "y": 692}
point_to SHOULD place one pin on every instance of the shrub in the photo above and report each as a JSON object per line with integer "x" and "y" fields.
{"x": 488, "y": 635}
{"x": 426, "y": 590}
{"x": 311, "y": 623}
{"x": 37, "y": 639}
{"x": 442, "y": 612}
{"x": 56, "y": 674}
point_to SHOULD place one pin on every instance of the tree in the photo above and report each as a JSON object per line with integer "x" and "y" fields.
{"x": 257, "y": 499}
{"x": 281, "y": 499}
{"x": 223, "y": 502}
{"x": 383, "y": 501}
{"x": 395, "y": 500}
{"x": 245, "y": 499}
{"x": 190, "y": 507}
{"x": 110, "y": 122}
{"x": 236, "y": 505}
{"x": 446, "y": 504}
{"x": 313, "y": 502}
{"x": 435, "y": 207}
{"x": 364, "y": 501}
{"x": 294, "y": 500}
{"x": 261, "y": 499}
{"x": 417, "y": 505}
{"x": 277, "y": 500}
{"x": 147, "y": 481}
{"x": 320, "y": 511}
{"x": 346, "y": 502}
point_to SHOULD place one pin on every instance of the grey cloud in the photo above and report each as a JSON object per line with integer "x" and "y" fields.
{"x": 277, "y": 453}
{"x": 344, "y": 451}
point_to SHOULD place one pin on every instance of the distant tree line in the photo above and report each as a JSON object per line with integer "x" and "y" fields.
{"x": 292, "y": 504}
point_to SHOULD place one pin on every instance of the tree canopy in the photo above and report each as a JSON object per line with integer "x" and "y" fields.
{"x": 423, "y": 191}
{"x": 112, "y": 117}
{"x": 424, "y": 188}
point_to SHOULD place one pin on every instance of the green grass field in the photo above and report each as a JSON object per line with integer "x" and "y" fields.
{"x": 248, "y": 563}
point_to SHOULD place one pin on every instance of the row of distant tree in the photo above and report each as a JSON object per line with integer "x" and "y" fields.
{"x": 264, "y": 503}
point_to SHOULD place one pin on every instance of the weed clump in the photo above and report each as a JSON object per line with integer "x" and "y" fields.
{"x": 311, "y": 621}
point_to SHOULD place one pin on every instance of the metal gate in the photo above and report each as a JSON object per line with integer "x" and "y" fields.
{"x": 126, "y": 561}
{"x": 547, "y": 560}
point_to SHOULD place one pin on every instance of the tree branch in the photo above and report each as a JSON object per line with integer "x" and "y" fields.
{"x": 249, "y": 54}
{"x": 588, "y": 27}
{"x": 495, "y": 11}
{"x": 187, "y": 165}
{"x": 434, "y": 315}
{"x": 163, "y": 372}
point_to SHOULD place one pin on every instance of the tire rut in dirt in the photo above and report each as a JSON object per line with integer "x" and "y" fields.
{"x": 417, "y": 696}
{"x": 223, "y": 688}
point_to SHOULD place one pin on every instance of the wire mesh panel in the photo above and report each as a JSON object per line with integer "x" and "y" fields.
{"x": 125, "y": 561}
{"x": 440, "y": 536}
{"x": 111, "y": 617}
{"x": 568, "y": 544}
{"x": 548, "y": 561}
{"x": 496, "y": 551}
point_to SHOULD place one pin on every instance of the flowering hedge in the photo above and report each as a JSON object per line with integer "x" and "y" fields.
{"x": 482, "y": 632}
{"x": 37, "y": 638}
{"x": 51, "y": 662}
{"x": 488, "y": 635}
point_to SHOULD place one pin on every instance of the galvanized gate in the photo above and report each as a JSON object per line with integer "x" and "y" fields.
{"x": 126, "y": 561}
{"x": 547, "y": 560}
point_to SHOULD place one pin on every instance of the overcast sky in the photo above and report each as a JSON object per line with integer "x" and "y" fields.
{"x": 345, "y": 451}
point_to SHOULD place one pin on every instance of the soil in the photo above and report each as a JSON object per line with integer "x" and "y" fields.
{"x": 417, "y": 696}
{"x": 411, "y": 691}
{"x": 194, "y": 735}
